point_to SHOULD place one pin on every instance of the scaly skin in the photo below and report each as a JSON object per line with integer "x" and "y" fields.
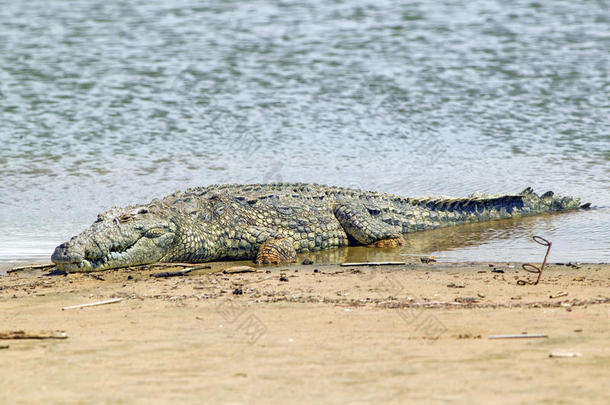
{"x": 233, "y": 221}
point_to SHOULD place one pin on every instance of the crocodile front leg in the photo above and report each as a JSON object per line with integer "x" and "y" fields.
{"x": 364, "y": 228}
{"x": 276, "y": 251}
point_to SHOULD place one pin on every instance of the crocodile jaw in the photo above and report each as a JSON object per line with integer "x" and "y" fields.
{"x": 143, "y": 251}
{"x": 119, "y": 238}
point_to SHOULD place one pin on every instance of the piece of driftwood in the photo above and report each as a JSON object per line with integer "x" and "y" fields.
{"x": 239, "y": 269}
{"x": 94, "y": 304}
{"x": 4, "y": 347}
{"x": 20, "y": 334}
{"x": 163, "y": 264}
{"x": 520, "y": 336}
{"x": 564, "y": 354}
{"x": 165, "y": 274}
{"x": 372, "y": 264}
{"x": 32, "y": 267}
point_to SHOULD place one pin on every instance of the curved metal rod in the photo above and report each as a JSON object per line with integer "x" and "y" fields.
{"x": 533, "y": 268}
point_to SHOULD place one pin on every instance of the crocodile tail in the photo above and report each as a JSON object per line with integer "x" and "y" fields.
{"x": 429, "y": 213}
{"x": 548, "y": 202}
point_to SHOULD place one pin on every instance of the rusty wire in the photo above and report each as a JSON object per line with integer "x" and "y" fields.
{"x": 533, "y": 268}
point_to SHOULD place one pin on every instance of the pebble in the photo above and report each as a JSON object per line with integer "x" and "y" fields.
{"x": 453, "y": 285}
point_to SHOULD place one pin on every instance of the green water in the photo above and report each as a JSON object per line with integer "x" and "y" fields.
{"x": 109, "y": 103}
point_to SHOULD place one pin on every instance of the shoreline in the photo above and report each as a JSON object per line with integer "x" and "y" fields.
{"x": 319, "y": 332}
{"x": 508, "y": 239}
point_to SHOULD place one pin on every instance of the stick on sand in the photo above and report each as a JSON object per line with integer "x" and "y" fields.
{"x": 34, "y": 267}
{"x": 373, "y": 264}
{"x": 180, "y": 272}
{"x": 20, "y": 334}
{"x": 520, "y": 336}
{"x": 93, "y": 304}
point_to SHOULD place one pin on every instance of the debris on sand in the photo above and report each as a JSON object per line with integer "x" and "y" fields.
{"x": 564, "y": 354}
{"x": 20, "y": 334}
{"x": 469, "y": 300}
{"x": 535, "y": 269}
{"x": 179, "y": 273}
{"x": 453, "y": 285}
{"x": 93, "y": 304}
{"x": 520, "y": 336}
{"x": 239, "y": 269}
{"x": 373, "y": 264}
{"x": 467, "y": 336}
{"x": 33, "y": 267}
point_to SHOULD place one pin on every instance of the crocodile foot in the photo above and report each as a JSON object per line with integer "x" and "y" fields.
{"x": 276, "y": 251}
{"x": 388, "y": 243}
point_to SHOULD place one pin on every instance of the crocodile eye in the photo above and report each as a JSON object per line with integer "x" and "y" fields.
{"x": 125, "y": 218}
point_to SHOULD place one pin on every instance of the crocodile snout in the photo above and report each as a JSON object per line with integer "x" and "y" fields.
{"x": 66, "y": 254}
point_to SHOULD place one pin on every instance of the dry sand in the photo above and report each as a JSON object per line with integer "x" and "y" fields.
{"x": 315, "y": 333}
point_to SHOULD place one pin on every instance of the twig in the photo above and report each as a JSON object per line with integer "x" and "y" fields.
{"x": 239, "y": 269}
{"x": 178, "y": 273}
{"x": 19, "y": 334}
{"x": 165, "y": 274}
{"x": 564, "y": 354}
{"x": 520, "y": 336}
{"x": 372, "y": 264}
{"x": 93, "y": 304}
{"x": 33, "y": 267}
{"x": 163, "y": 264}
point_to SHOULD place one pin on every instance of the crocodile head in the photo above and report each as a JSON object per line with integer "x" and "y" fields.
{"x": 120, "y": 237}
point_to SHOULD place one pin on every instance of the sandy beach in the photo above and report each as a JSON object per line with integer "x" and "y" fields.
{"x": 318, "y": 333}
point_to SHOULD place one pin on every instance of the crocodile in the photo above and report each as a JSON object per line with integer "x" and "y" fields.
{"x": 271, "y": 223}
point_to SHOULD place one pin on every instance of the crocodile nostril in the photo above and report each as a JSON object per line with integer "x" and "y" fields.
{"x": 64, "y": 255}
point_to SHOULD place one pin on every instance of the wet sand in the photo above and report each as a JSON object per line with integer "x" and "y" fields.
{"x": 318, "y": 333}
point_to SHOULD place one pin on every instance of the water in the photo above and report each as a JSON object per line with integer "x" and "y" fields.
{"x": 107, "y": 103}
